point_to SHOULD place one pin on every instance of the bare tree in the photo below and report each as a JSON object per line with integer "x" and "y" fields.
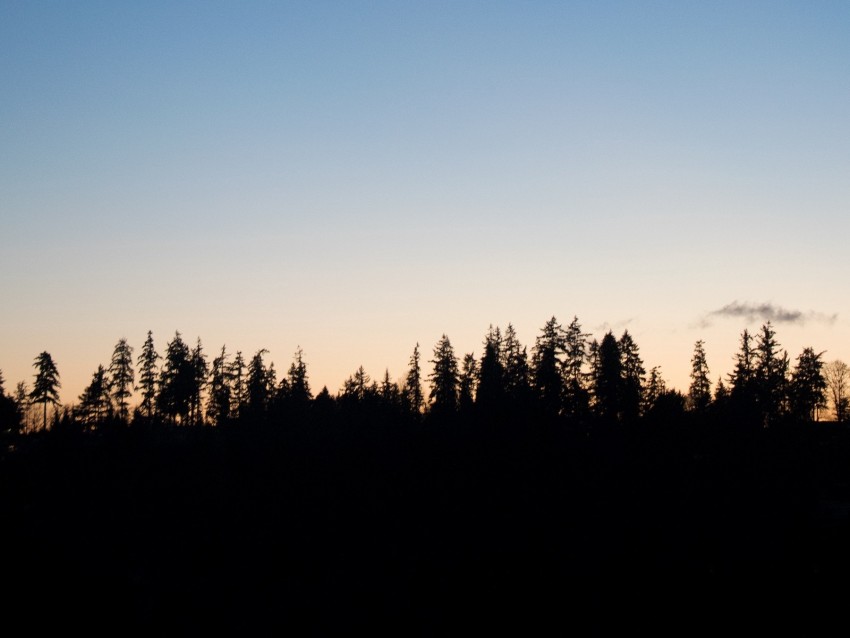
{"x": 837, "y": 376}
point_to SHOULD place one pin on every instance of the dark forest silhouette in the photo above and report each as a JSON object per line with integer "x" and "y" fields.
{"x": 565, "y": 485}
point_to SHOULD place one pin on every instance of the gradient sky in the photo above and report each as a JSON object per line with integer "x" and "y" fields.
{"x": 357, "y": 177}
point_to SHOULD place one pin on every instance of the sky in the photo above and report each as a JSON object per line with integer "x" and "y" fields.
{"x": 354, "y": 178}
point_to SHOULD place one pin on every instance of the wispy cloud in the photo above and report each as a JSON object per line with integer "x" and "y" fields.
{"x": 766, "y": 312}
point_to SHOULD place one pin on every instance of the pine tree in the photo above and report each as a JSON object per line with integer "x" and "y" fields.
{"x": 239, "y": 390}
{"x": 807, "y": 389}
{"x": 46, "y": 386}
{"x": 412, "y": 393}
{"x": 121, "y": 377}
{"x": 10, "y": 421}
{"x": 608, "y": 378}
{"x": 200, "y": 372}
{"x": 148, "y": 375}
{"x": 299, "y": 386}
{"x": 699, "y": 393}
{"x": 468, "y": 383}
{"x": 257, "y": 385}
{"x": 444, "y": 379}
{"x": 96, "y": 400}
{"x": 547, "y": 379}
{"x": 490, "y": 397}
{"x": 218, "y": 401}
{"x": 177, "y": 379}
{"x": 633, "y": 377}
{"x": 23, "y": 404}
{"x": 770, "y": 375}
{"x": 656, "y": 387}
{"x": 517, "y": 373}
{"x": 576, "y": 398}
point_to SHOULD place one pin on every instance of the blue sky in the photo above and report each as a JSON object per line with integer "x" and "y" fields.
{"x": 354, "y": 178}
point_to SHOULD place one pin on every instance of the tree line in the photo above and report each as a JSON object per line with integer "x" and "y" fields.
{"x": 568, "y": 375}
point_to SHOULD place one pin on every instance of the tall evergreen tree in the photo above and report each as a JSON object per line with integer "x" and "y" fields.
{"x": 656, "y": 387}
{"x": 96, "y": 400}
{"x": 299, "y": 386}
{"x": 23, "y": 404}
{"x": 200, "y": 372}
{"x": 468, "y": 383}
{"x": 148, "y": 375}
{"x": 444, "y": 379}
{"x": 807, "y": 389}
{"x": 490, "y": 397}
{"x": 699, "y": 393}
{"x": 517, "y": 372}
{"x": 239, "y": 388}
{"x": 608, "y": 378}
{"x": 10, "y": 421}
{"x": 548, "y": 381}
{"x": 177, "y": 380}
{"x": 257, "y": 385}
{"x": 121, "y": 377}
{"x": 742, "y": 381}
{"x": 770, "y": 375}
{"x": 46, "y": 386}
{"x": 633, "y": 377}
{"x": 218, "y": 401}
{"x": 413, "y": 384}
{"x": 576, "y": 399}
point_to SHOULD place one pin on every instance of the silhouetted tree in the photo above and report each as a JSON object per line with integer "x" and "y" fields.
{"x": 121, "y": 377}
{"x": 770, "y": 375}
{"x": 10, "y": 421}
{"x": 46, "y": 386}
{"x": 23, "y": 405}
{"x": 608, "y": 378}
{"x": 655, "y": 388}
{"x": 239, "y": 388}
{"x": 299, "y": 386}
{"x": 546, "y": 367}
{"x": 837, "y": 376}
{"x": 177, "y": 381}
{"x": 468, "y": 383}
{"x": 516, "y": 371}
{"x": 807, "y": 390}
{"x": 633, "y": 377}
{"x": 490, "y": 397}
{"x": 96, "y": 401}
{"x": 576, "y": 400}
{"x": 148, "y": 375}
{"x": 699, "y": 393}
{"x": 200, "y": 372}
{"x": 257, "y": 386}
{"x": 742, "y": 381}
{"x": 390, "y": 394}
{"x": 412, "y": 393}
{"x": 444, "y": 379}
{"x": 218, "y": 401}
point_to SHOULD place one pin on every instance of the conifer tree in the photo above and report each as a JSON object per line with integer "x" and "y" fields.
{"x": 413, "y": 384}
{"x": 444, "y": 379}
{"x": 699, "y": 393}
{"x": 808, "y": 386}
{"x": 121, "y": 377}
{"x": 239, "y": 390}
{"x": 517, "y": 372}
{"x": 548, "y": 381}
{"x": 96, "y": 401}
{"x": 46, "y": 386}
{"x": 576, "y": 399}
{"x": 770, "y": 375}
{"x": 177, "y": 380}
{"x": 218, "y": 401}
{"x": 490, "y": 396}
{"x": 633, "y": 377}
{"x": 148, "y": 375}
{"x": 299, "y": 386}
{"x": 468, "y": 383}
{"x": 608, "y": 378}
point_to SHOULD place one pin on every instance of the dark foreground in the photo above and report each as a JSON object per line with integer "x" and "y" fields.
{"x": 436, "y": 530}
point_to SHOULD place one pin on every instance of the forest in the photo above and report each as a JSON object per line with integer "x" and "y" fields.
{"x": 564, "y": 485}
